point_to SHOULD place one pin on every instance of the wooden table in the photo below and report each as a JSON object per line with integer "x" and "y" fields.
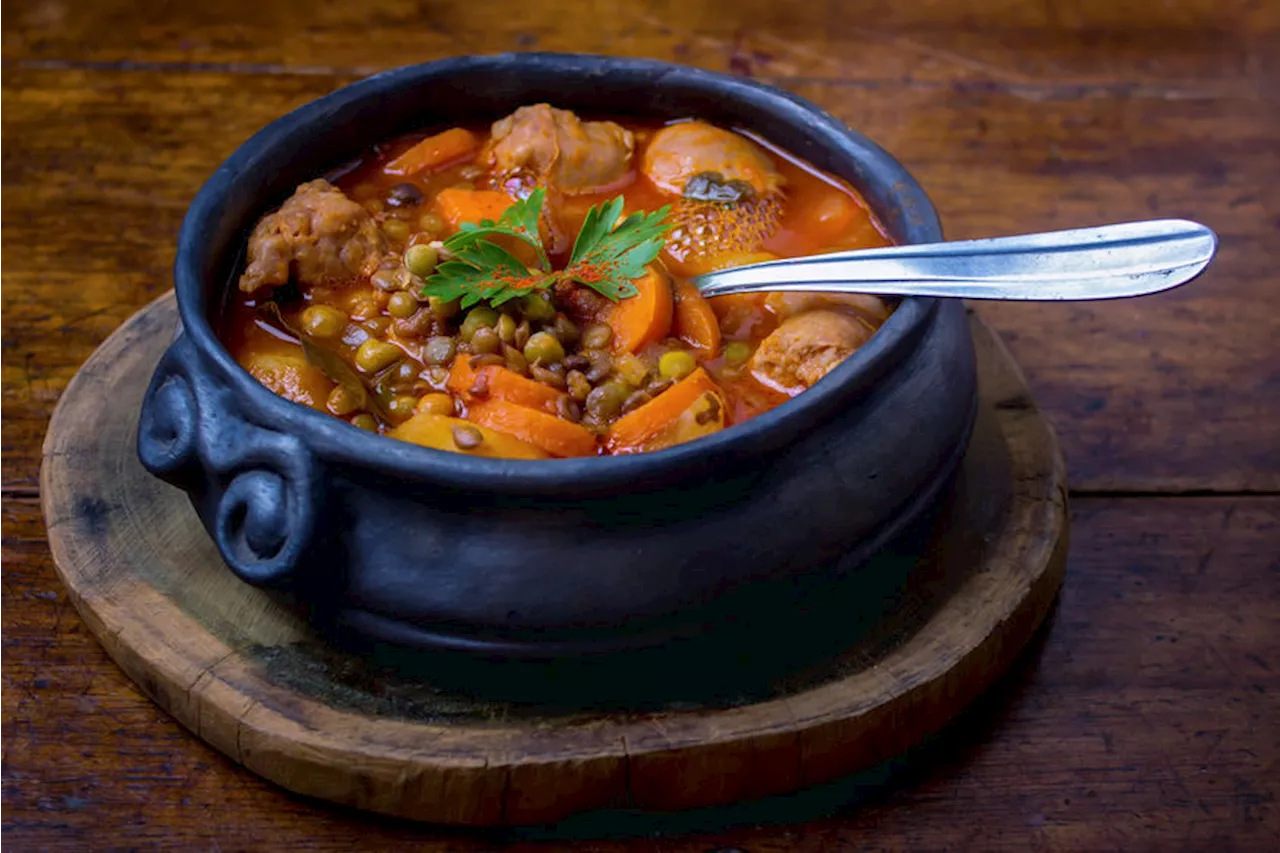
{"x": 1146, "y": 717}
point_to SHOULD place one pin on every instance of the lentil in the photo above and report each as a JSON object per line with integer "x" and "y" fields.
{"x": 467, "y": 437}
{"x": 485, "y": 339}
{"x": 439, "y": 350}
{"x": 547, "y": 377}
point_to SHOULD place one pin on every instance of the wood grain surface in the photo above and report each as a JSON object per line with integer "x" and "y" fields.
{"x": 1147, "y": 721}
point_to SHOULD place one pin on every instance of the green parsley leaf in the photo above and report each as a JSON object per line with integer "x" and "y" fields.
{"x": 608, "y": 257}
{"x": 520, "y": 221}
{"x": 483, "y": 271}
{"x": 607, "y": 254}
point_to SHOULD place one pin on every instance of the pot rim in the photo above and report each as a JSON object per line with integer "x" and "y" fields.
{"x": 334, "y": 440}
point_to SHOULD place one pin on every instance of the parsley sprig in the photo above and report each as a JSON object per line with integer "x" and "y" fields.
{"x": 607, "y": 254}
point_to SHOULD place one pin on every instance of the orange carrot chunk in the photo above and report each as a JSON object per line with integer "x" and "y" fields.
{"x": 456, "y": 206}
{"x": 695, "y": 321}
{"x": 691, "y": 408}
{"x": 493, "y": 381}
{"x": 433, "y": 152}
{"x": 644, "y": 318}
{"x": 545, "y": 431}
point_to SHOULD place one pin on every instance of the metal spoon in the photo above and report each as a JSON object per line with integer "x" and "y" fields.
{"x": 1129, "y": 259}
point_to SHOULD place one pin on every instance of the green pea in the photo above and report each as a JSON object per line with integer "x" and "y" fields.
{"x": 543, "y": 348}
{"x": 323, "y": 321}
{"x": 479, "y": 317}
{"x": 431, "y": 224}
{"x": 421, "y": 260}
{"x": 538, "y": 308}
{"x": 676, "y": 364}
{"x": 402, "y": 305}
{"x": 737, "y": 352}
{"x": 373, "y": 355}
{"x": 396, "y": 229}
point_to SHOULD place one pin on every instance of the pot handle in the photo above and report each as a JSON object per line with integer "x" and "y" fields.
{"x": 267, "y": 484}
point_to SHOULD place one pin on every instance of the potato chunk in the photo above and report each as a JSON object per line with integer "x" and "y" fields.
{"x": 290, "y": 376}
{"x": 445, "y": 433}
{"x": 806, "y": 348}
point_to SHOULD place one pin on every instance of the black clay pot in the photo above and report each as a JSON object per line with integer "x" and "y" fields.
{"x": 416, "y": 547}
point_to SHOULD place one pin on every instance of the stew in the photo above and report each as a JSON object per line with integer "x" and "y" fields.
{"x": 522, "y": 291}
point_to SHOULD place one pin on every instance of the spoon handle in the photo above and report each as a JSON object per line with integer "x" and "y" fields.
{"x": 1111, "y": 261}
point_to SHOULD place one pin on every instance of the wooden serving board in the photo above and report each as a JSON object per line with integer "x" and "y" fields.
{"x": 243, "y": 672}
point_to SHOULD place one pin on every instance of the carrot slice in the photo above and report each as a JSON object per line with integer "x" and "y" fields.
{"x": 695, "y": 322}
{"x": 644, "y": 318}
{"x": 456, "y": 205}
{"x": 545, "y": 431}
{"x": 499, "y": 383}
{"x": 434, "y": 152}
{"x": 681, "y": 413}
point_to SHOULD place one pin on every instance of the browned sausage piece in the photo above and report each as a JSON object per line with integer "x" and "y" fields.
{"x": 806, "y": 348}
{"x": 559, "y": 150}
{"x": 680, "y": 151}
{"x": 318, "y": 235}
